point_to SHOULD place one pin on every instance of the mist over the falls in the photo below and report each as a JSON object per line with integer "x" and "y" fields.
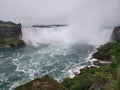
{"x": 91, "y": 21}
{"x": 94, "y": 20}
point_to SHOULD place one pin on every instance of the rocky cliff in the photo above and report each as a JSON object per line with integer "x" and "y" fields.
{"x": 116, "y": 34}
{"x": 10, "y": 34}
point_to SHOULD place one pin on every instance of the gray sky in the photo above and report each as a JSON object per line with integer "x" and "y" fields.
{"x": 36, "y": 11}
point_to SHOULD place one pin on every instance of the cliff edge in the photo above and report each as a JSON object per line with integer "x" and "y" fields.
{"x": 116, "y": 34}
{"x": 10, "y": 34}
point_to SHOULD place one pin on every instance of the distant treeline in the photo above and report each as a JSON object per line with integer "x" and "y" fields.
{"x": 8, "y": 24}
{"x": 49, "y": 26}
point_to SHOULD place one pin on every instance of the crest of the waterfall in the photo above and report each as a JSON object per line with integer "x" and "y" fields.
{"x": 38, "y": 35}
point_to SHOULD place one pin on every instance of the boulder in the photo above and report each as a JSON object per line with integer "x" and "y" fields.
{"x": 96, "y": 86}
{"x": 83, "y": 70}
{"x": 44, "y": 83}
{"x": 97, "y": 63}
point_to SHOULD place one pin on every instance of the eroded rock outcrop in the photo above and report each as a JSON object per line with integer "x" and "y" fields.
{"x": 44, "y": 83}
{"x": 10, "y": 34}
{"x": 116, "y": 34}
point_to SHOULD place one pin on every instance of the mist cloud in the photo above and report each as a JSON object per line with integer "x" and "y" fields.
{"x": 90, "y": 17}
{"x": 36, "y": 11}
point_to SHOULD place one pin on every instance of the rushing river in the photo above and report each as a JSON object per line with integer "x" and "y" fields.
{"x": 48, "y": 51}
{"x": 22, "y": 64}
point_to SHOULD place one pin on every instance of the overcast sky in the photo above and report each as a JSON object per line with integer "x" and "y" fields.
{"x": 36, "y": 11}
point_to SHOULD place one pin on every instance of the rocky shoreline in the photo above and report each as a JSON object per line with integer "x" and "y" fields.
{"x": 97, "y": 58}
{"x": 96, "y": 63}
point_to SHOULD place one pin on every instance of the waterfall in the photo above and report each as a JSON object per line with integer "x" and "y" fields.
{"x": 37, "y": 35}
{"x": 34, "y": 36}
{"x": 91, "y": 19}
{"x": 89, "y": 22}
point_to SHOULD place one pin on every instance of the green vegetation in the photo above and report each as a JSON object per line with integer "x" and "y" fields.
{"x": 8, "y": 24}
{"x": 44, "y": 83}
{"x": 10, "y": 42}
{"x": 107, "y": 51}
{"x": 105, "y": 77}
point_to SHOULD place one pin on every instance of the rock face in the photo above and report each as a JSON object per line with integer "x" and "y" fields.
{"x": 10, "y": 34}
{"x": 44, "y": 83}
{"x": 116, "y": 34}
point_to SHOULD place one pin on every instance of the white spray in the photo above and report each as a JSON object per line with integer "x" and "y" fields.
{"x": 90, "y": 22}
{"x": 37, "y": 35}
{"x": 91, "y": 17}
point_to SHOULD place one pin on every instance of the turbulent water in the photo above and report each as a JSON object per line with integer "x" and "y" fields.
{"x": 48, "y": 51}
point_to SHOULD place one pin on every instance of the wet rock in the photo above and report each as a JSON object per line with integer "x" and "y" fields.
{"x": 83, "y": 70}
{"x": 97, "y": 63}
{"x": 96, "y": 86}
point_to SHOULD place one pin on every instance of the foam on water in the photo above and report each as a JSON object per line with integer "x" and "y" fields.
{"x": 56, "y": 59}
